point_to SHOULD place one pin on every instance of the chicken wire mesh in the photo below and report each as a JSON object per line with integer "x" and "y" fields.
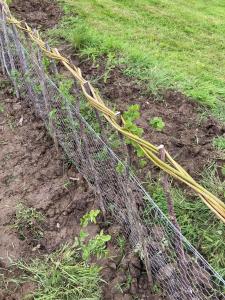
{"x": 172, "y": 263}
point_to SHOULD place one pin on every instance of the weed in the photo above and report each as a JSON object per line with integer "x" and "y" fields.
{"x": 121, "y": 242}
{"x": 156, "y": 289}
{"x": 46, "y": 63}
{"x": 95, "y": 246}
{"x": 15, "y": 74}
{"x": 67, "y": 273}
{"x": 2, "y": 109}
{"x": 5, "y": 83}
{"x": 28, "y": 221}
{"x": 219, "y": 142}
{"x": 37, "y": 88}
{"x": 125, "y": 286}
{"x": 65, "y": 86}
{"x": 67, "y": 184}
{"x": 62, "y": 275}
{"x": 114, "y": 141}
{"x": 120, "y": 168}
{"x": 110, "y": 65}
{"x": 90, "y": 217}
{"x": 102, "y": 155}
{"x": 52, "y": 114}
{"x": 157, "y": 123}
{"x": 212, "y": 182}
{"x": 12, "y": 124}
{"x": 89, "y": 115}
{"x": 9, "y": 179}
{"x": 143, "y": 163}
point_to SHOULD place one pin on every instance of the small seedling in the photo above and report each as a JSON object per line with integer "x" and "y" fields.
{"x": 102, "y": 155}
{"x": 52, "y": 114}
{"x": 65, "y": 87}
{"x": 67, "y": 184}
{"x": 122, "y": 244}
{"x": 219, "y": 143}
{"x": 143, "y": 163}
{"x": 46, "y": 63}
{"x": 110, "y": 65}
{"x": 94, "y": 247}
{"x": 120, "y": 168}
{"x": 133, "y": 113}
{"x": 157, "y": 123}
{"x": 1, "y": 108}
{"x": 89, "y": 218}
{"x": 28, "y": 221}
{"x": 114, "y": 141}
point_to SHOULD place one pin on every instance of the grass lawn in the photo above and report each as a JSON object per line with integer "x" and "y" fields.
{"x": 164, "y": 43}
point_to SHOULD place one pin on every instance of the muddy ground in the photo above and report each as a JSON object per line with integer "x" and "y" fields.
{"x": 32, "y": 172}
{"x": 42, "y": 14}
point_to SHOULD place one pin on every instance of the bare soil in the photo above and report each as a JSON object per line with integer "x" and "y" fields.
{"x": 32, "y": 172}
{"x": 42, "y": 14}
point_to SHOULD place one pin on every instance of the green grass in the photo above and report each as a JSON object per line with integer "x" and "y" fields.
{"x": 163, "y": 43}
{"x": 70, "y": 273}
{"x": 198, "y": 224}
{"x": 219, "y": 143}
{"x": 61, "y": 275}
{"x": 28, "y": 222}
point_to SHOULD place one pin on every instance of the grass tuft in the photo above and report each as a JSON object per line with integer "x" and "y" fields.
{"x": 198, "y": 224}
{"x": 28, "y": 222}
{"x": 62, "y": 275}
{"x": 219, "y": 142}
{"x": 68, "y": 273}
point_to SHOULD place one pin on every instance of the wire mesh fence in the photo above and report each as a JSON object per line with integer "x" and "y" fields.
{"x": 171, "y": 262}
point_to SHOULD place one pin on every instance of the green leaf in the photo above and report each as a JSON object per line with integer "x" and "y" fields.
{"x": 157, "y": 123}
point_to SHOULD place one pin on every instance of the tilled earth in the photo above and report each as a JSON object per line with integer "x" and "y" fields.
{"x": 33, "y": 173}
